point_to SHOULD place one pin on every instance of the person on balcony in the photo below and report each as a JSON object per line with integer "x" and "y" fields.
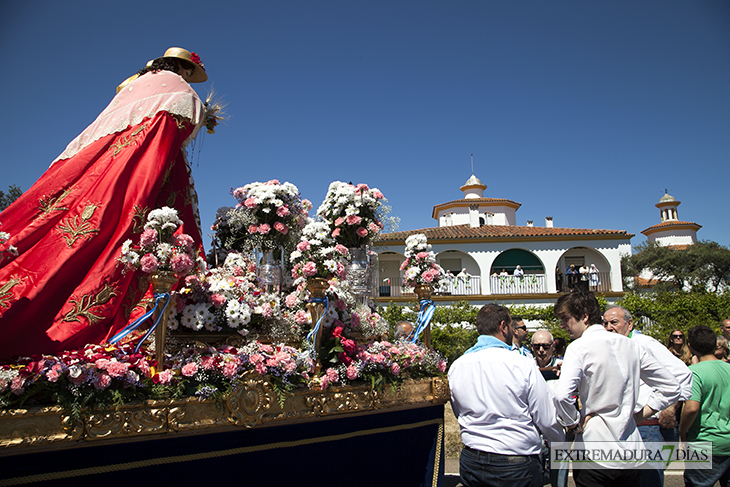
{"x": 519, "y": 272}
{"x": 584, "y": 277}
{"x": 572, "y": 273}
{"x": 558, "y": 279}
{"x": 594, "y": 280}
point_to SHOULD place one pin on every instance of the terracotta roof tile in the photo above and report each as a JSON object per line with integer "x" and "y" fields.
{"x": 669, "y": 224}
{"x": 458, "y": 232}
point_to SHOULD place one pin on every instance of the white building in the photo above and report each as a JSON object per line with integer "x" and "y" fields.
{"x": 671, "y": 231}
{"x": 479, "y": 236}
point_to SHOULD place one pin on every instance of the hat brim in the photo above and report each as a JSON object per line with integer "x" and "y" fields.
{"x": 199, "y": 74}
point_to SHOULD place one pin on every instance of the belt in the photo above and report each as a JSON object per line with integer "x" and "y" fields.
{"x": 649, "y": 422}
{"x": 515, "y": 458}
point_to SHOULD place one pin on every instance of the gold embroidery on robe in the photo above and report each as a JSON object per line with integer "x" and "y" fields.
{"x": 5, "y": 294}
{"x": 83, "y": 307}
{"x": 132, "y": 301}
{"x": 125, "y": 141}
{"x": 71, "y": 229}
{"x": 171, "y": 198}
{"x": 138, "y": 219}
{"x": 48, "y": 204}
{"x": 180, "y": 121}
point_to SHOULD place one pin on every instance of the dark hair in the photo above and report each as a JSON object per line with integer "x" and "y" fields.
{"x": 578, "y": 304}
{"x": 517, "y": 318}
{"x": 166, "y": 64}
{"x": 490, "y": 317}
{"x": 702, "y": 340}
{"x": 559, "y": 343}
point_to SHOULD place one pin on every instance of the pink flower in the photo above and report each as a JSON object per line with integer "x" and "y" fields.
{"x": 149, "y": 263}
{"x": 272, "y": 182}
{"x": 186, "y": 241}
{"x": 339, "y": 221}
{"x": 189, "y": 369}
{"x": 208, "y": 362}
{"x": 117, "y": 369}
{"x": 331, "y": 374}
{"x": 352, "y": 372}
{"x": 102, "y": 381}
{"x": 428, "y": 276}
{"x": 303, "y": 246}
{"x": 340, "y": 304}
{"x": 421, "y": 255}
{"x": 335, "y": 233}
{"x": 250, "y": 203}
{"x": 377, "y": 194}
{"x": 355, "y": 319}
{"x": 281, "y": 228}
{"x": 218, "y": 300}
{"x": 373, "y": 227}
{"x": 144, "y": 367}
{"x": 362, "y": 232}
{"x": 266, "y": 310}
{"x": 256, "y": 358}
{"x": 16, "y": 385}
{"x": 181, "y": 264}
{"x": 165, "y": 376}
{"x": 300, "y": 317}
{"x": 253, "y": 229}
{"x": 395, "y": 369}
{"x": 341, "y": 249}
{"x": 362, "y": 187}
{"x": 264, "y": 228}
{"x": 54, "y": 373}
{"x": 260, "y": 368}
{"x": 404, "y": 264}
{"x": 309, "y": 269}
{"x": 148, "y": 237}
{"x": 291, "y": 300}
{"x": 282, "y": 211}
{"x": 341, "y": 271}
{"x": 353, "y": 220}
{"x": 229, "y": 370}
{"x": 442, "y": 366}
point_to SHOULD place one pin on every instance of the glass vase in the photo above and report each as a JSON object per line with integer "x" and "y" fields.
{"x": 270, "y": 273}
{"x": 359, "y": 273}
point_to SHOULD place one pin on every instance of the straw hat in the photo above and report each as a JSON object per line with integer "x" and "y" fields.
{"x": 198, "y": 76}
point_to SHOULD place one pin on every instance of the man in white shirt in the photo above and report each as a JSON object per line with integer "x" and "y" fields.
{"x": 502, "y": 404}
{"x": 606, "y": 370}
{"x": 619, "y": 320}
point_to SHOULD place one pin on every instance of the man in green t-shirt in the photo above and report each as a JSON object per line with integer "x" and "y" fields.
{"x": 706, "y": 415}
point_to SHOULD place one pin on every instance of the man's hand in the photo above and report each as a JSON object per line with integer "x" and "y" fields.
{"x": 646, "y": 412}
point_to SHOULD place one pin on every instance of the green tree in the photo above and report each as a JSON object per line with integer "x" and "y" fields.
{"x": 13, "y": 193}
{"x": 704, "y": 266}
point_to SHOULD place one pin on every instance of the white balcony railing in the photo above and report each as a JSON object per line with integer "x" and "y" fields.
{"x": 527, "y": 284}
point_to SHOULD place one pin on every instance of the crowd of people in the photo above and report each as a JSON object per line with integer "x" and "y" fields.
{"x": 611, "y": 384}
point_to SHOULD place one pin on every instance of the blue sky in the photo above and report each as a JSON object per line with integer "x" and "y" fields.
{"x": 583, "y": 111}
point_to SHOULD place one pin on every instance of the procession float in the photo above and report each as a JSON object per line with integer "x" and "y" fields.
{"x": 265, "y": 360}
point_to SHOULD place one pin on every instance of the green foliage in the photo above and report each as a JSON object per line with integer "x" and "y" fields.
{"x": 13, "y": 193}
{"x": 668, "y": 310}
{"x": 704, "y": 266}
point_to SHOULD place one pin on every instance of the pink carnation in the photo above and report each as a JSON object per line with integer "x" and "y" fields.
{"x": 422, "y": 255}
{"x": 189, "y": 369}
{"x": 117, "y": 369}
{"x": 309, "y": 269}
{"x": 54, "y": 373}
{"x": 149, "y": 263}
{"x": 264, "y": 228}
{"x": 165, "y": 376}
{"x": 208, "y": 363}
{"x": 229, "y": 370}
{"x": 442, "y": 366}
{"x": 404, "y": 264}
{"x": 341, "y": 249}
{"x": 256, "y": 358}
{"x": 428, "y": 275}
{"x": 373, "y": 227}
{"x": 148, "y": 237}
{"x": 336, "y": 233}
{"x": 291, "y": 300}
{"x": 282, "y": 211}
{"x": 102, "y": 381}
{"x": 339, "y": 221}
{"x": 250, "y": 203}
{"x": 395, "y": 369}
{"x": 341, "y": 271}
{"x": 362, "y": 232}
{"x": 253, "y": 229}
{"x": 181, "y": 263}
{"x": 353, "y": 220}
{"x": 300, "y": 317}
{"x": 303, "y": 246}
{"x": 377, "y": 194}
{"x": 281, "y": 228}
{"x": 362, "y": 187}
{"x": 218, "y": 300}
{"x": 352, "y": 372}
{"x": 355, "y": 319}
{"x": 272, "y": 182}
{"x": 186, "y": 241}
{"x": 331, "y": 374}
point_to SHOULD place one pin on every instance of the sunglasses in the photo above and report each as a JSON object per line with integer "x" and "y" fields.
{"x": 542, "y": 345}
{"x": 523, "y": 327}
{"x": 677, "y": 336}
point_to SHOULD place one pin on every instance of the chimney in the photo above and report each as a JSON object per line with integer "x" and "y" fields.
{"x": 529, "y": 223}
{"x": 549, "y": 222}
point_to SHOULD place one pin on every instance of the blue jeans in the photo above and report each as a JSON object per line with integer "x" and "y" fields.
{"x": 700, "y": 478}
{"x": 653, "y": 477}
{"x": 478, "y": 468}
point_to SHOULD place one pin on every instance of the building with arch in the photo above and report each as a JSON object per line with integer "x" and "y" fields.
{"x": 478, "y": 241}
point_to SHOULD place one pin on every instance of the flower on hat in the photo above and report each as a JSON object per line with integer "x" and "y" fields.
{"x": 196, "y": 59}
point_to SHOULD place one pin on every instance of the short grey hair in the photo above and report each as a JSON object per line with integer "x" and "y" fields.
{"x": 627, "y": 313}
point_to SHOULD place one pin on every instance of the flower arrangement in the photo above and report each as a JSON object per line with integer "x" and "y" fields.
{"x": 317, "y": 254}
{"x": 213, "y": 112}
{"x": 160, "y": 248}
{"x": 354, "y": 212}
{"x": 420, "y": 265}
{"x": 268, "y": 216}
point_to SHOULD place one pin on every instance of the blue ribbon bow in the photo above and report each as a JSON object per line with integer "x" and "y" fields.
{"x": 138, "y": 322}
{"x": 312, "y": 335}
{"x": 424, "y": 318}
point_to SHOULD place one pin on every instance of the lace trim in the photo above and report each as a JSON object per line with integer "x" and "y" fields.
{"x": 127, "y": 109}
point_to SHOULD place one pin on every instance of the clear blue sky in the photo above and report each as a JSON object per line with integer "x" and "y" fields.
{"x": 583, "y": 111}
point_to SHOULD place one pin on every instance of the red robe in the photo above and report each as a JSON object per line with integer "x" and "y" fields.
{"x": 65, "y": 288}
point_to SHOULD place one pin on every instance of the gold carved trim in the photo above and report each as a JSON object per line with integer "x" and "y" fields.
{"x": 254, "y": 404}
